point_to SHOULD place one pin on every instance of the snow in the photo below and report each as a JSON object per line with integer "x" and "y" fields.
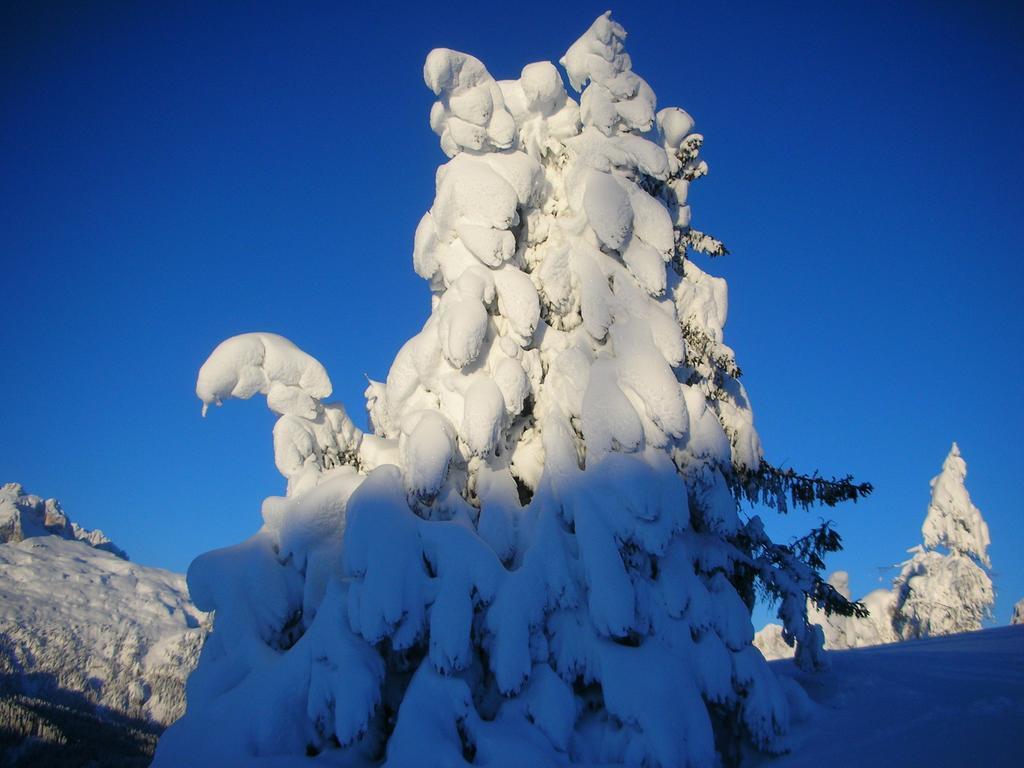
{"x": 608, "y": 209}
{"x": 308, "y": 529}
{"x": 675, "y": 125}
{"x": 939, "y": 594}
{"x": 427, "y": 450}
{"x": 463, "y": 320}
{"x": 542, "y": 87}
{"x": 470, "y": 114}
{"x": 770, "y": 642}
{"x": 482, "y": 416}
{"x": 651, "y": 222}
{"x": 644, "y": 371}
{"x": 646, "y": 265}
{"x": 263, "y": 362}
{"x": 948, "y": 701}
{"x": 840, "y": 632}
{"x": 608, "y": 418}
{"x": 616, "y": 95}
{"x": 251, "y": 603}
{"x": 470, "y": 189}
{"x": 310, "y": 437}
{"x": 518, "y": 304}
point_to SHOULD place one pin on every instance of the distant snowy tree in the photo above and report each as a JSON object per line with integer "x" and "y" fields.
{"x": 945, "y": 587}
{"x": 537, "y": 556}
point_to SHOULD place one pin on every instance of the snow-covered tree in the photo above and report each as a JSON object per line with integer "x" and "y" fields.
{"x": 537, "y": 555}
{"x": 1018, "y": 613}
{"x": 945, "y": 587}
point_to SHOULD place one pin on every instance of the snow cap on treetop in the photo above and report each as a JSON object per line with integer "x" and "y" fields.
{"x": 470, "y": 113}
{"x": 617, "y": 99}
{"x": 953, "y": 521}
{"x": 599, "y": 53}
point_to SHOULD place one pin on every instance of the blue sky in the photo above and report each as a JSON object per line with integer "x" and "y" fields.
{"x": 175, "y": 175}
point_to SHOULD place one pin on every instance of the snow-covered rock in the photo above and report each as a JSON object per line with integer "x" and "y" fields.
{"x": 86, "y": 635}
{"x": 24, "y": 515}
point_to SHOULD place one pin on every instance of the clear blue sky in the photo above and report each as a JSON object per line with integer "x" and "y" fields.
{"x": 177, "y": 173}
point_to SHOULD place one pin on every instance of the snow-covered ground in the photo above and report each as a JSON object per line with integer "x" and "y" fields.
{"x": 945, "y": 701}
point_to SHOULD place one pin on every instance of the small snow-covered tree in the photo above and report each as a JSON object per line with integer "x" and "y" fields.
{"x": 945, "y": 587}
{"x": 1018, "y": 613}
{"x": 537, "y": 556}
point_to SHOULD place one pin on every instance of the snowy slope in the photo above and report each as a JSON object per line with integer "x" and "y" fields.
{"x": 90, "y": 643}
{"x": 956, "y": 700}
{"x": 122, "y": 633}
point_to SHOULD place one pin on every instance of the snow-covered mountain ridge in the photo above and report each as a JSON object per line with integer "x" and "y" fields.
{"x": 25, "y": 515}
{"x": 86, "y": 631}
